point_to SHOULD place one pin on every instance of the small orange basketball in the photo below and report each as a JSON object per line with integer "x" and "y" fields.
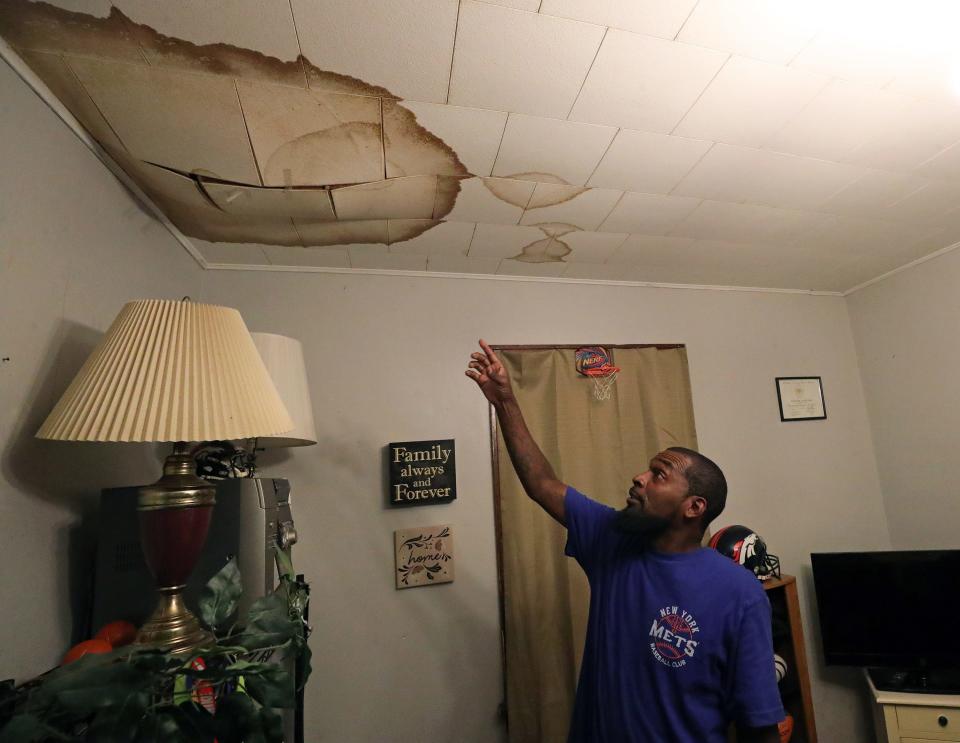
{"x": 87, "y": 647}
{"x": 786, "y": 728}
{"x": 118, "y": 633}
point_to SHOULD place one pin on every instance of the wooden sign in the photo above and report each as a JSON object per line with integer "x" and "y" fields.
{"x": 422, "y": 472}
{"x": 424, "y": 556}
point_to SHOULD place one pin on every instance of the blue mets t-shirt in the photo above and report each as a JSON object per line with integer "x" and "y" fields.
{"x": 678, "y": 645}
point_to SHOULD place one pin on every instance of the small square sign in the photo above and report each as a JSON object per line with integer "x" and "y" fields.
{"x": 424, "y": 556}
{"x": 422, "y": 473}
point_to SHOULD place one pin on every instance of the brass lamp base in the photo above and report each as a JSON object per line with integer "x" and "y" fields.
{"x": 174, "y": 518}
{"x": 172, "y": 626}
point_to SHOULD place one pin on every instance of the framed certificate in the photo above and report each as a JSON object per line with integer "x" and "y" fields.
{"x": 801, "y": 398}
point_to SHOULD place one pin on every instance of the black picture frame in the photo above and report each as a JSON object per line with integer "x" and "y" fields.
{"x": 807, "y": 404}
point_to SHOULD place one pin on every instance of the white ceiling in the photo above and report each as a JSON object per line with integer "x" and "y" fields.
{"x": 779, "y": 143}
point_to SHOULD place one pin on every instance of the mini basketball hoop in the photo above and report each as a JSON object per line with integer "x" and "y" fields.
{"x": 594, "y": 362}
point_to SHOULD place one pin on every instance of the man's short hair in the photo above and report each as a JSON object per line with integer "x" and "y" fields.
{"x": 705, "y": 479}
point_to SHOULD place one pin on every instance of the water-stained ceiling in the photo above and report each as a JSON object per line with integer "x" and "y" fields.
{"x": 724, "y": 142}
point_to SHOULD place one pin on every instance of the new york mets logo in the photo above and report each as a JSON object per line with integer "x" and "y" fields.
{"x": 672, "y": 637}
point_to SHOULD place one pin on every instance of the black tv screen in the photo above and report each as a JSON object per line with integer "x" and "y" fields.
{"x": 889, "y": 609}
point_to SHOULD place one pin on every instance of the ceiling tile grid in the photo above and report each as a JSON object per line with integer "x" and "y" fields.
{"x": 727, "y": 141}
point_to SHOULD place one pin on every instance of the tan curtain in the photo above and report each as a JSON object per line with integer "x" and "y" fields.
{"x": 596, "y": 446}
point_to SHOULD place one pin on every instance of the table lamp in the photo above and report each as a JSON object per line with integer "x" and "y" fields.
{"x": 179, "y": 372}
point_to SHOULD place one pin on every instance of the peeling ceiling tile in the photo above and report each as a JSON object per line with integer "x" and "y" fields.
{"x": 750, "y": 101}
{"x": 184, "y": 203}
{"x": 246, "y": 254}
{"x": 397, "y": 198}
{"x": 764, "y": 177}
{"x": 592, "y": 247}
{"x": 44, "y": 27}
{"x": 342, "y": 233}
{"x": 583, "y": 208}
{"x": 650, "y": 214}
{"x": 378, "y": 256}
{"x": 459, "y": 264}
{"x": 189, "y": 122}
{"x": 253, "y": 39}
{"x": 406, "y": 230}
{"x": 444, "y": 238}
{"x": 653, "y": 17}
{"x": 403, "y": 45}
{"x": 638, "y": 250}
{"x": 674, "y": 75}
{"x": 474, "y": 134}
{"x": 509, "y": 60}
{"x": 502, "y": 241}
{"x": 306, "y": 203}
{"x": 748, "y": 223}
{"x": 308, "y": 138}
{"x": 413, "y": 149}
{"x": 52, "y": 69}
{"x": 770, "y": 31}
{"x": 651, "y": 163}
{"x": 492, "y": 200}
{"x": 534, "y": 148}
{"x": 509, "y": 267}
{"x": 281, "y": 255}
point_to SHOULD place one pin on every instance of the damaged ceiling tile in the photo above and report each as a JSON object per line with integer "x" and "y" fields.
{"x": 396, "y": 198}
{"x": 251, "y": 39}
{"x": 502, "y": 241}
{"x": 568, "y": 150}
{"x": 64, "y": 85}
{"x": 308, "y": 138}
{"x": 411, "y": 149}
{"x": 378, "y": 256}
{"x": 442, "y": 238}
{"x": 585, "y": 208}
{"x": 99, "y": 31}
{"x": 491, "y": 200}
{"x": 473, "y": 134}
{"x": 342, "y": 233}
{"x": 306, "y": 203}
{"x": 189, "y": 122}
{"x": 182, "y": 200}
{"x": 281, "y": 255}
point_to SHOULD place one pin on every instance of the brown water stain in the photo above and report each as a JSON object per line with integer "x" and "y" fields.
{"x": 506, "y": 189}
{"x": 547, "y": 250}
{"x": 335, "y": 152}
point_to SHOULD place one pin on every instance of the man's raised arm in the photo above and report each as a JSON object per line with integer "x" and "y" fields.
{"x": 535, "y": 473}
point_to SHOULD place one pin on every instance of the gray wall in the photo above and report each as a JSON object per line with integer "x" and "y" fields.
{"x": 386, "y": 356}
{"x": 74, "y": 247}
{"x": 906, "y": 330}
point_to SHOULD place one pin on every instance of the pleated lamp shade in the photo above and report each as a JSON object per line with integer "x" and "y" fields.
{"x": 170, "y": 371}
{"x": 283, "y": 358}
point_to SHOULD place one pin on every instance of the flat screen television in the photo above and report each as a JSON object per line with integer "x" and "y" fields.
{"x": 895, "y": 610}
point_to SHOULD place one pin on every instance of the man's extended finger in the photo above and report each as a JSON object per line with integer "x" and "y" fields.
{"x": 477, "y": 356}
{"x": 478, "y": 367}
{"x": 489, "y": 352}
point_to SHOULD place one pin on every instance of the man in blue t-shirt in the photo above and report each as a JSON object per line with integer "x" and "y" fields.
{"x": 678, "y": 640}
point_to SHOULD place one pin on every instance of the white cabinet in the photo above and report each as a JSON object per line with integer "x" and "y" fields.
{"x": 915, "y": 718}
